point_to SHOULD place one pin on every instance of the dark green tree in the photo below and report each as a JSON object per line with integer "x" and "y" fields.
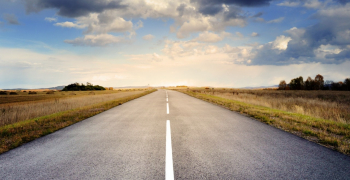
{"x": 82, "y": 87}
{"x": 309, "y": 83}
{"x": 347, "y": 84}
{"x": 297, "y": 83}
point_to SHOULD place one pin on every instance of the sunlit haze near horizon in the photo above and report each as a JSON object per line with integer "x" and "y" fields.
{"x": 224, "y": 43}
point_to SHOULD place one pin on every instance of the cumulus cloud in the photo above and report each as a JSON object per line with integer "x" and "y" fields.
{"x": 148, "y": 37}
{"x": 278, "y": 20}
{"x": 327, "y": 42}
{"x": 70, "y": 25}
{"x": 212, "y": 37}
{"x": 51, "y": 19}
{"x": 11, "y": 19}
{"x": 106, "y": 16}
{"x": 96, "y": 40}
{"x": 105, "y": 23}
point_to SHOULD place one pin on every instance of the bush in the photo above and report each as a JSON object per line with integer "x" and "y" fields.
{"x": 32, "y": 92}
{"x": 50, "y": 92}
{"x": 82, "y": 87}
{"x": 13, "y": 93}
{"x": 3, "y": 93}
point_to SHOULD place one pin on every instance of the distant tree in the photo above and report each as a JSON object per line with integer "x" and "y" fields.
{"x": 82, "y": 87}
{"x": 319, "y": 82}
{"x": 297, "y": 83}
{"x": 337, "y": 86}
{"x": 347, "y": 84}
{"x": 309, "y": 83}
{"x": 282, "y": 85}
{"x": 328, "y": 85}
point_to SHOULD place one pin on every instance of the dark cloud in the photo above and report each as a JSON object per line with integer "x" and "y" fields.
{"x": 209, "y": 7}
{"x": 343, "y": 1}
{"x": 11, "y": 19}
{"x": 73, "y": 8}
{"x": 241, "y": 3}
{"x": 181, "y": 9}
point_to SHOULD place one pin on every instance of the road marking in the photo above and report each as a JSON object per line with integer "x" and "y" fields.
{"x": 167, "y": 108}
{"x": 166, "y": 92}
{"x": 167, "y": 99}
{"x": 169, "y": 169}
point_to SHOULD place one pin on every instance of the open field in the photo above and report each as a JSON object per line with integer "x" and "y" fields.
{"x": 320, "y": 116}
{"x": 58, "y": 114}
{"x": 332, "y": 105}
{"x": 24, "y": 96}
{"x": 16, "y": 112}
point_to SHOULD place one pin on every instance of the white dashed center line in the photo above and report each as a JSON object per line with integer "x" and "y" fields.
{"x": 167, "y": 108}
{"x": 169, "y": 169}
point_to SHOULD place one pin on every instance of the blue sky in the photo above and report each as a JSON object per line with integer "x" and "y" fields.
{"x": 227, "y": 43}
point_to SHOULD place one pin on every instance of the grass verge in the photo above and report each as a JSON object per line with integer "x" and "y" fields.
{"x": 334, "y": 135}
{"x": 14, "y": 135}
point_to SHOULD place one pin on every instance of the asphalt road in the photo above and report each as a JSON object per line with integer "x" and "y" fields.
{"x": 208, "y": 142}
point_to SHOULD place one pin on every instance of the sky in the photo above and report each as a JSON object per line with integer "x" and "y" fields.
{"x": 222, "y": 43}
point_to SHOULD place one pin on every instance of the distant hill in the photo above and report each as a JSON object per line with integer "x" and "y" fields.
{"x": 57, "y": 88}
{"x": 259, "y": 87}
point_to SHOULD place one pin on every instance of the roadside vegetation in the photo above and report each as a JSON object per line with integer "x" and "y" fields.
{"x": 25, "y": 121}
{"x": 318, "y": 83}
{"x": 319, "y": 116}
{"x": 39, "y": 95}
{"x": 82, "y": 87}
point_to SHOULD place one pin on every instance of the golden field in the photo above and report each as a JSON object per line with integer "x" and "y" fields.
{"x": 319, "y": 116}
{"x": 26, "y": 117}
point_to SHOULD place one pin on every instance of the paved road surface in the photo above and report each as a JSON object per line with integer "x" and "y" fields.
{"x": 208, "y": 142}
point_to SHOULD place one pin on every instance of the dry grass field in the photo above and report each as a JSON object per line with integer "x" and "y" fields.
{"x": 15, "y": 112}
{"x": 22, "y": 121}
{"x": 38, "y": 95}
{"x": 332, "y": 105}
{"x": 319, "y": 116}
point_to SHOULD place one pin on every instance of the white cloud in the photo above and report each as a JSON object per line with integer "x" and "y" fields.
{"x": 212, "y": 37}
{"x": 51, "y": 19}
{"x": 148, "y": 37}
{"x": 281, "y": 42}
{"x": 96, "y": 40}
{"x": 70, "y": 25}
{"x": 278, "y": 20}
{"x": 254, "y": 34}
{"x": 106, "y": 22}
{"x": 289, "y": 4}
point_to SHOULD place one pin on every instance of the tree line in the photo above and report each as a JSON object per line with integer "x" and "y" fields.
{"x": 82, "y": 87}
{"x": 317, "y": 83}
